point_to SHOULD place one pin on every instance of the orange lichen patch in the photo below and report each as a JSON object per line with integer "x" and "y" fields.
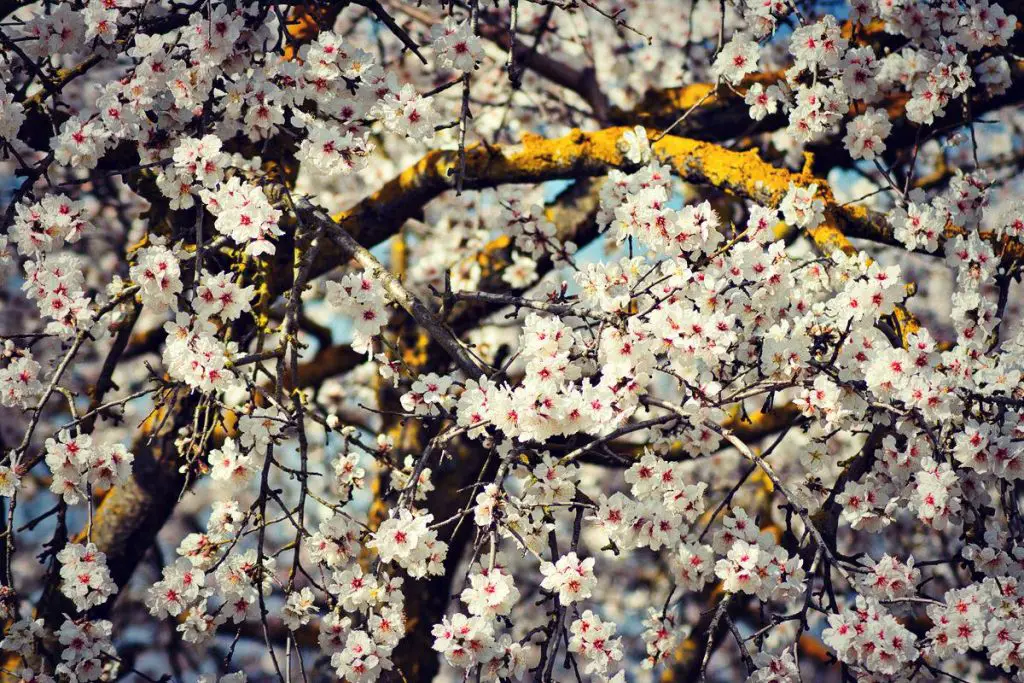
{"x": 744, "y": 174}
{"x": 415, "y": 355}
{"x": 895, "y": 105}
{"x": 682, "y": 658}
{"x": 1008, "y": 249}
{"x": 305, "y": 23}
{"x": 528, "y": 137}
{"x": 533, "y": 160}
{"x": 143, "y": 242}
{"x": 284, "y": 171}
{"x": 908, "y": 324}
{"x": 579, "y": 155}
{"x": 828, "y": 238}
{"x": 682, "y": 98}
{"x": 687, "y": 96}
{"x": 399, "y": 256}
{"x": 758, "y": 424}
{"x": 813, "y": 647}
{"x": 876, "y": 26}
{"x": 493, "y": 258}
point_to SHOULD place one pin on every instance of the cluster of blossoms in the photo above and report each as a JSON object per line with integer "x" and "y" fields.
{"x": 243, "y": 213}
{"x": 195, "y": 355}
{"x": 866, "y": 134}
{"x": 361, "y": 298}
{"x": 407, "y": 540}
{"x": 592, "y": 639}
{"x": 19, "y": 377}
{"x": 157, "y": 272}
{"x": 222, "y": 296}
{"x": 934, "y": 71}
{"x": 546, "y": 404}
{"x": 335, "y": 542}
{"x": 476, "y": 640}
{"x": 890, "y": 579}
{"x": 367, "y": 622}
{"x": 467, "y": 642}
{"x": 867, "y": 636}
{"x": 455, "y": 45}
{"x": 921, "y": 221}
{"x": 80, "y": 143}
{"x": 181, "y": 586}
{"x": 755, "y": 564}
{"x": 12, "y": 115}
{"x": 57, "y": 284}
{"x": 339, "y": 146}
{"x": 79, "y": 466}
{"x": 737, "y": 58}
{"x": 663, "y": 507}
{"x": 205, "y": 594}
{"x": 299, "y": 609}
{"x": 662, "y": 635}
{"x": 638, "y": 206}
{"x": 571, "y": 578}
{"x": 428, "y": 395}
{"x": 491, "y": 593}
{"x": 983, "y": 617}
{"x": 87, "y": 653}
{"x": 196, "y": 163}
{"x": 48, "y": 225}
{"x": 84, "y": 577}
{"x": 407, "y": 113}
{"x": 232, "y": 467}
{"x": 936, "y": 497}
{"x": 771, "y": 668}
{"x": 762, "y": 100}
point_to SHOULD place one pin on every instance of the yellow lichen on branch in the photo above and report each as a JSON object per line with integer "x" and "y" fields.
{"x": 575, "y": 156}
{"x": 660, "y": 107}
{"x": 746, "y": 174}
